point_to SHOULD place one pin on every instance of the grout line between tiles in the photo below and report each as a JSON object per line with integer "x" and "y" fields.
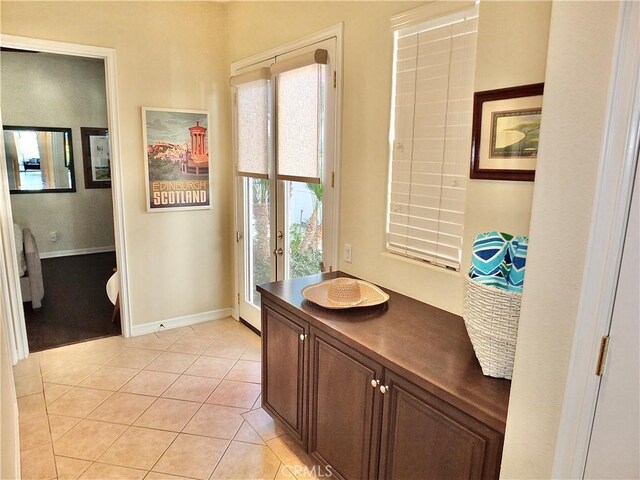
{"x": 178, "y": 353}
{"x": 194, "y": 435}
{"x": 86, "y": 388}
{"x": 108, "y": 447}
{"x": 73, "y": 458}
{"x": 220, "y": 459}
{"x": 119, "y": 466}
{"x": 46, "y": 410}
{"x": 134, "y": 348}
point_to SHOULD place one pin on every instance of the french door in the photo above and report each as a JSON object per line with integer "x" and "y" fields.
{"x": 285, "y": 217}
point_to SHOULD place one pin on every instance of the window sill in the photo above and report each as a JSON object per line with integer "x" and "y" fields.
{"x": 420, "y": 263}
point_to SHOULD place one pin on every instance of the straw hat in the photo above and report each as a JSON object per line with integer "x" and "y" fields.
{"x": 344, "y": 293}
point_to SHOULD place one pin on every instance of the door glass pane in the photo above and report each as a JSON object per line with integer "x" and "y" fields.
{"x": 304, "y": 229}
{"x": 258, "y": 228}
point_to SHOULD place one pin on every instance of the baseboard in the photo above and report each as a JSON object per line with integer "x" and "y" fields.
{"x": 176, "y": 322}
{"x": 250, "y": 327}
{"x": 78, "y": 251}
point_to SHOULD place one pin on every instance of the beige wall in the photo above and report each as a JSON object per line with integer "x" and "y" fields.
{"x": 159, "y": 72}
{"x": 578, "y": 72}
{"x": 258, "y": 26}
{"x": 59, "y": 91}
{"x": 496, "y": 204}
{"x": 169, "y": 54}
{"x": 9, "y": 459}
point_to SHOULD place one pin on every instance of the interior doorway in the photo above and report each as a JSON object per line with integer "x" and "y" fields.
{"x": 56, "y": 144}
{"x": 85, "y": 141}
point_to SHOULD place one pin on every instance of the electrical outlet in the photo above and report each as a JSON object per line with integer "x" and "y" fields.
{"x": 53, "y": 236}
{"x": 347, "y": 252}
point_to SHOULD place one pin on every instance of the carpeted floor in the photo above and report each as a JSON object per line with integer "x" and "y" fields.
{"x": 75, "y": 306}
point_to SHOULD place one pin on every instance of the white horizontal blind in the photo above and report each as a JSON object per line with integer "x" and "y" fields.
{"x": 431, "y": 138}
{"x": 253, "y": 128}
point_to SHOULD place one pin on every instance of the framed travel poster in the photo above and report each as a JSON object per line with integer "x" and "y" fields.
{"x": 506, "y": 133}
{"x": 176, "y": 159}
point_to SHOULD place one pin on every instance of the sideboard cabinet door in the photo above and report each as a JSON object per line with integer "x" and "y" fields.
{"x": 284, "y": 351}
{"x": 425, "y": 438}
{"x": 345, "y": 408}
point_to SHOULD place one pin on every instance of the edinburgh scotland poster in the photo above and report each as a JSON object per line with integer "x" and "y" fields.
{"x": 176, "y": 159}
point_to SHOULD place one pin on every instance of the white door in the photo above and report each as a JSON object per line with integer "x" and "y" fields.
{"x": 614, "y": 449}
{"x": 285, "y": 225}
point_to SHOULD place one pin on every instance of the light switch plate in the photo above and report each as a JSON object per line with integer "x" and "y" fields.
{"x": 347, "y": 252}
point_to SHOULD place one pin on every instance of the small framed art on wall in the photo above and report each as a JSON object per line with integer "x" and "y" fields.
{"x": 506, "y": 133}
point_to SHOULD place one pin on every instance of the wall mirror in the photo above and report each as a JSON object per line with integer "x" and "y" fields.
{"x": 39, "y": 159}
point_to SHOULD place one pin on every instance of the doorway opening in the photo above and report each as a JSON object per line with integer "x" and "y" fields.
{"x": 63, "y": 232}
{"x": 57, "y": 156}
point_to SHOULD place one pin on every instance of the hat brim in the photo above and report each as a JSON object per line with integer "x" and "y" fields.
{"x": 318, "y": 293}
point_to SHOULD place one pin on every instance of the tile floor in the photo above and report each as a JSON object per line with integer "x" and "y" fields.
{"x": 183, "y": 403}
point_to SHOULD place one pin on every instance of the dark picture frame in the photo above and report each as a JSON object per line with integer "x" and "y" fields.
{"x": 96, "y": 157}
{"x": 505, "y": 133}
{"x": 33, "y": 165}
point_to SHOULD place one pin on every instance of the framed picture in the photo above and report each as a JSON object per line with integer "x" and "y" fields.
{"x": 506, "y": 131}
{"x": 96, "y": 157}
{"x": 176, "y": 159}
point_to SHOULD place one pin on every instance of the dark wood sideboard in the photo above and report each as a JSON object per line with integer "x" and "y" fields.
{"x": 387, "y": 392}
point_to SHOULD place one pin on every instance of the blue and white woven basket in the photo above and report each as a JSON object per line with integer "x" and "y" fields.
{"x": 491, "y": 316}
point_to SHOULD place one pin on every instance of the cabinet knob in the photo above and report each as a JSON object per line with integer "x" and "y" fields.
{"x": 302, "y": 337}
{"x": 384, "y": 389}
{"x": 375, "y": 383}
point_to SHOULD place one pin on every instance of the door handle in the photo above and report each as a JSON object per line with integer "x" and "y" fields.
{"x": 278, "y": 251}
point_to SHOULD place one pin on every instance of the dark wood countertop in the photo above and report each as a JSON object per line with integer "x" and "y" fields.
{"x": 426, "y": 345}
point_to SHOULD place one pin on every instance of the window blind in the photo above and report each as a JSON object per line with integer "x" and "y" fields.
{"x": 252, "y": 122}
{"x": 299, "y": 112}
{"x": 431, "y": 138}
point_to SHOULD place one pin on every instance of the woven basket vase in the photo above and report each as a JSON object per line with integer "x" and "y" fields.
{"x": 491, "y": 317}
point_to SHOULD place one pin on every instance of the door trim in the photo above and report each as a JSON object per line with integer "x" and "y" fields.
{"x": 610, "y": 214}
{"x": 336, "y": 31}
{"x": 12, "y": 301}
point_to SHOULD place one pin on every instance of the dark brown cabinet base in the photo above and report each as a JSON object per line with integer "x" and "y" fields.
{"x": 380, "y": 393}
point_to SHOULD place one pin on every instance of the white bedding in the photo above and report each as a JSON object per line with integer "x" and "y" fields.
{"x": 22, "y": 262}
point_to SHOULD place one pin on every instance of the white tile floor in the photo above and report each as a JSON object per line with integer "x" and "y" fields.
{"x": 183, "y": 403}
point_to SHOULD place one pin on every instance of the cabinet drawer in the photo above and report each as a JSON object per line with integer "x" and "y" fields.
{"x": 284, "y": 354}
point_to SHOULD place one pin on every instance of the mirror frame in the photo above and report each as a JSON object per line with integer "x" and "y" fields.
{"x": 70, "y": 164}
